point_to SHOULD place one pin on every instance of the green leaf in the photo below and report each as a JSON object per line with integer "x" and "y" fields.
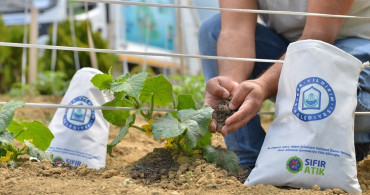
{"x": 102, "y": 81}
{"x": 110, "y": 71}
{"x": 7, "y": 113}
{"x": 160, "y": 87}
{"x": 2, "y": 151}
{"x": 186, "y": 102}
{"x": 122, "y": 133}
{"x": 197, "y": 122}
{"x": 6, "y": 137}
{"x": 122, "y": 78}
{"x": 37, "y": 153}
{"x": 166, "y": 126}
{"x": 222, "y": 157}
{"x": 132, "y": 86}
{"x": 205, "y": 140}
{"x": 117, "y": 117}
{"x": 40, "y": 135}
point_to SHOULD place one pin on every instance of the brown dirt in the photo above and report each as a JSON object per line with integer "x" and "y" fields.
{"x": 222, "y": 112}
{"x": 138, "y": 168}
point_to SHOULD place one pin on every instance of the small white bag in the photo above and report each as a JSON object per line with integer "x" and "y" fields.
{"x": 311, "y": 139}
{"x": 81, "y": 135}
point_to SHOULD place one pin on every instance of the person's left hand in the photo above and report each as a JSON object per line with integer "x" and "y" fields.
{"x": 249, "y": 95}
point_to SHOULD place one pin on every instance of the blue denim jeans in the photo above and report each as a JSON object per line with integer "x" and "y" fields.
{"x": 246, "y": 142}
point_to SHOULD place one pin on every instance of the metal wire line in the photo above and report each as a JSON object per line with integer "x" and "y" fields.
{"x": 44, "y": 105}
{"x": 22, "y": 45}
{"x": 224, "y": 9}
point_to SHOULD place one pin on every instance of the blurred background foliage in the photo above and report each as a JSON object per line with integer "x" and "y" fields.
{"x": 49, "y": 83}
{"x": 65, "y": 59}
{"x": 189, "y": 85}
{"x": 10, "y": 57}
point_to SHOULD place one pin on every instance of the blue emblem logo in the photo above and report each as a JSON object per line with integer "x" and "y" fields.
{"x": 79, "y": 119}
{"x": 315, "y": 99}
{"x": 311, "y": 99}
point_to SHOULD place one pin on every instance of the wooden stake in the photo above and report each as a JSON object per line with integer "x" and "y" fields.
{"x": 179, "y": 39}
{"x": 34, "y": 34}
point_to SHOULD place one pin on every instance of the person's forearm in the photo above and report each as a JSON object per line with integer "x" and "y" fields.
{"x": 235, "y": 46}
{"x": 318, "y": 28}
{"x": 270, "y": 79}
{"x": 237, "y": 39}
{"x": 325, "y": 28}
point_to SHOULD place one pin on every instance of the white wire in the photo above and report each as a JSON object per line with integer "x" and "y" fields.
{"x": 135, "y": 52}
{"x": 225, "y": 9}
{"x": 44, "y": 105}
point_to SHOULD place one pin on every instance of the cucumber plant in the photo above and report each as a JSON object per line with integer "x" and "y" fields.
{"x": 35, "y": 137}
{"x": 185, "y": 130}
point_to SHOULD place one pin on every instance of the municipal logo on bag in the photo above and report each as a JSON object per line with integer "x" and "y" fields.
{"x": 315, "y": 99}
{"x": 79, "y": 119}
{"x": 294, "y": 164}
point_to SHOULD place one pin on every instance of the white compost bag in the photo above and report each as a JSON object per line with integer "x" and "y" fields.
{"x": 311, "y": 139}
{"x": 81, "y": 135}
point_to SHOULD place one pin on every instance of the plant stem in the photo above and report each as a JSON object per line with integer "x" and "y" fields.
{"x": 139, "y": 128}
{"x": 137, "y": 103}
{"x": 151, "y": 107}
{"x": 145, "y": 115}
{"x": 126, "y": 100}
{"x": 174, "y": 100}
{"x": 178, "y": 144}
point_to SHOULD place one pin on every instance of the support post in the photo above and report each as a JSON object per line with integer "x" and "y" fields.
{"x": 34, "y": 34}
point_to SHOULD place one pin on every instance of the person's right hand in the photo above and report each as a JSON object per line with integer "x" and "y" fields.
{"x": 217, "y": 89}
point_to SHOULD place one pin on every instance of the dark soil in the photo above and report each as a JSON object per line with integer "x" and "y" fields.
{"x": 222, "y": 112}
{"x": 154, "y": 166}
{"x": 161, "y": 164}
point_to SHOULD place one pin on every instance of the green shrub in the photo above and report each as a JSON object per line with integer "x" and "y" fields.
{"x": 10, "y": 57}
{"x": 51, "y": 83}
{"x": 65, "y": 59}
{"x": 190, "y": 85}
{"x": 19, "y": 90}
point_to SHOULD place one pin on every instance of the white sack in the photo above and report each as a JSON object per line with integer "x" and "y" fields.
{"x": 311, "y": 139}
{"x": 81, "y": 135}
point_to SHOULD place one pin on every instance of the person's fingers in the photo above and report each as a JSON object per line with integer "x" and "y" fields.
{"x": 246, "y": 111}
{"x": 213, "y": 125}
{"x": 227, "y": 83}
{"x": 249, "y": 108}
{"x": 215, "y": 89}
{"x": 220, "y": 87}
{"x": 240, "y": 95}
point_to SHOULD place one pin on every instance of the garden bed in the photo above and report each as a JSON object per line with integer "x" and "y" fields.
{"x": 140, "y": 167}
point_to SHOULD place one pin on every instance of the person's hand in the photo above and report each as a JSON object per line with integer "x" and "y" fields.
{"x": 249, "y": 95}
{"x": 217, "y": 89}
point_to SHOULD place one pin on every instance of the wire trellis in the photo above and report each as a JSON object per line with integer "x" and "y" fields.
{"x": 75, "y": 49}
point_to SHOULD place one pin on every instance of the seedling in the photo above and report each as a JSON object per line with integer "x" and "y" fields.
{"x": 185, "y": 130}
{"x": 34, "y": 135}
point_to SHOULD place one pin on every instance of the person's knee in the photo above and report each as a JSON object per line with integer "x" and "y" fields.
{"x": 208, "y": 31}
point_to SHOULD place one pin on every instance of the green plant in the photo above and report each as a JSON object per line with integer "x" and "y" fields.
{"x": 47, "y": 83}
{"x": 34, "y": 135}
{"x": 20, "y": 90}
{"x": 10, "y": 60}
{"x": 192, "y": 85}
{"x": 65, "y": 59}
{"x": 51, "y": 83}
{"x": 185, "y": 130}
